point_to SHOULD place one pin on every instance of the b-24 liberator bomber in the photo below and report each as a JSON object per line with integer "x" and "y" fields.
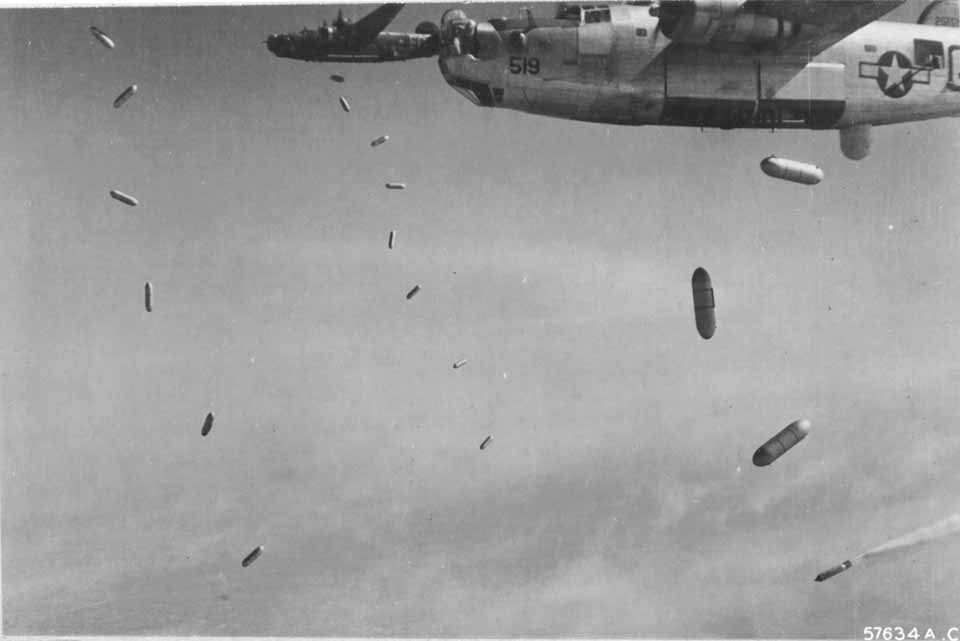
{"x": 770, "y": 64}
{"x": 363, "y": 41}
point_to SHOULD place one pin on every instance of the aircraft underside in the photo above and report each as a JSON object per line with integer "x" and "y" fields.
{"x": 638, "y": 105}
{"x": 618, "y": 107}
{"x": 762, "y": 114}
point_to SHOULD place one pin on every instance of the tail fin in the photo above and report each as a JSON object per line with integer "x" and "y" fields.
{"x": 941, "y": 13}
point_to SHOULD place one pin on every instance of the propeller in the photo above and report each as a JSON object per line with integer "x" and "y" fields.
{"x": 461, "y": 35}
{"x": 453, "y": 27}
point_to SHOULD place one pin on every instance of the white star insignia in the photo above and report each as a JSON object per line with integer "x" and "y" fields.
{"x": 894, "y": 73}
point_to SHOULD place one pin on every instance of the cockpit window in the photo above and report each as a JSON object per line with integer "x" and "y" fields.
{"x": 568, "y": 12}
{"x": 596, "y": 15}
{"x": 584, "y": 13}
{"x": 928, "y": 53}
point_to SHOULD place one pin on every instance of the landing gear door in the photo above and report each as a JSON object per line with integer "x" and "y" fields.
{"x": 953, "y": 81}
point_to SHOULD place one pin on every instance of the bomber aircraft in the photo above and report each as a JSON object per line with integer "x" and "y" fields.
{"x": 363, "y": 41}
{"x": 773, "y": 64}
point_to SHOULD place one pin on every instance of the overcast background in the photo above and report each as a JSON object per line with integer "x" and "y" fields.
{"x": 618, "y": 495}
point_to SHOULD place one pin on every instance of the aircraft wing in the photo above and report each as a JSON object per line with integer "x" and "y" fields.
{"x": 825, "y": 22}
{"x": 367, "y": 27}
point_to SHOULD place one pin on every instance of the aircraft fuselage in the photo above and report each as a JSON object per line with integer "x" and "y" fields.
{"x": 313, "y": 46}
{"x": 623, "y": 70}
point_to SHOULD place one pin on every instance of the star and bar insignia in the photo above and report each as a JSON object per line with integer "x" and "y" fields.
{"x": 895, "y": 74}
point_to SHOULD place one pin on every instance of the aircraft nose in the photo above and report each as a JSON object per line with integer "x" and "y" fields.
{"x": 272, "y": 42}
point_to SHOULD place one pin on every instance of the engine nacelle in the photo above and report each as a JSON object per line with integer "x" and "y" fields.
{"x": 427, "y": 28}
{"x": 706, "y": 21}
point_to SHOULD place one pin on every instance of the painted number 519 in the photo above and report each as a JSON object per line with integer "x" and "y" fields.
{"x": 524, "y": 65}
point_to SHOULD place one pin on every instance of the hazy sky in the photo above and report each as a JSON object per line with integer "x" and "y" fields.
{"x": 617, "y": 497}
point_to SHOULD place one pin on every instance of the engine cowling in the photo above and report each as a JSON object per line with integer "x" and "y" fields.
{"x": 427, "y": 28}
{"x": 706, "y": 21}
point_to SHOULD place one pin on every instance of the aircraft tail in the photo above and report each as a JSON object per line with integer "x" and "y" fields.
{"x": 941, "y": 13}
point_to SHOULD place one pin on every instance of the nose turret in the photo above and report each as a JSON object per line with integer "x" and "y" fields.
{"x": 271, "y": 43}
{"x": 278, "y": 43}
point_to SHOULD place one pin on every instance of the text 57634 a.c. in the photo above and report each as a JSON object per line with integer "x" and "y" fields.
{"x": 900, "y": 633}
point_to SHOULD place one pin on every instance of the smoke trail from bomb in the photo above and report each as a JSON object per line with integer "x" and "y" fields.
{"x": 944, "y": 528}
{"x": 927, "y": 534}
